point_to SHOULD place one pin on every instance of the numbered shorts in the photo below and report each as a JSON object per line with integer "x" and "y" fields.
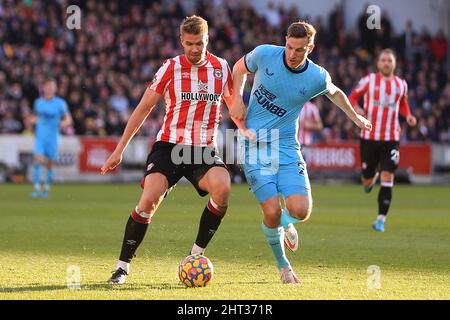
{"x": 382, "y": 155}
{"x": 185, "y": 161}
{"x": 46, "y": 149}
{"x": 267, "y": 181}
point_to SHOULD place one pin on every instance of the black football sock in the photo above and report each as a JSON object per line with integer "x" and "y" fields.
{"x": 209, "y": 223}
{"x": 134, "y": 234}
{"x": 384, "y": 200}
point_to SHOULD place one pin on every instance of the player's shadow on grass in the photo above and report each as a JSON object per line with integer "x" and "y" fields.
{"x": 247, "y": 282}
{"x": 107, "y": 287}
{"x": 96, "y": 286}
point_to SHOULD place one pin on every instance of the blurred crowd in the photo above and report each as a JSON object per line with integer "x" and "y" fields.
{"x": 103, "y": 69}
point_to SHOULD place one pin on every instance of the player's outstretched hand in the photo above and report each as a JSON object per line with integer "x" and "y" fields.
{"x": 113, "y": 161}
{"x": 363, "y": 123}
{"x": 411, "y": 120}
{"x": 248, "y": 133}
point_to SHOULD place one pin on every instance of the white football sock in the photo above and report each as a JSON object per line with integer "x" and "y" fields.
{"x": 381, "y": 217}
{"x": 124, "y": 265}
{"x": 197, "y": 250}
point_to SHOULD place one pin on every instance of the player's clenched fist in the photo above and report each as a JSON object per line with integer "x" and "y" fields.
{"x": 238, "y": 109}
{"x": 113, "y": 161}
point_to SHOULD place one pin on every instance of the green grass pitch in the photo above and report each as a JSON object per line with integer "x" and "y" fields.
{"x": 83, "y": 225}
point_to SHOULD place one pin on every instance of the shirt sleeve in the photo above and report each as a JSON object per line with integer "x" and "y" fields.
{"x": 404, "y": 105}
{"x": 35, "y": 107}
{"x": 253, "y": 58}
{"x": 359, "y": 91}
{"x": 162, "y": 77}
{"x": 64, "y": 108}
{"x": 326, "y": 85}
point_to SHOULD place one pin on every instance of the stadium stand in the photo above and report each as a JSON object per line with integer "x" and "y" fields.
{"x": 103, "y": 69}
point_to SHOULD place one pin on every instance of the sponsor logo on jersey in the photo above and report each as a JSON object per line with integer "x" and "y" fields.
{"x": 202, "y": 86}
{"x": 265, "y": 99}
{"x": 198, "y": 96}
{"x": 378, "y": 103}
{"x": 268, "y": 73}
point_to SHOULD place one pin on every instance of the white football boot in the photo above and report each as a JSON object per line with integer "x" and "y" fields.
{"x": 291, "y": 238}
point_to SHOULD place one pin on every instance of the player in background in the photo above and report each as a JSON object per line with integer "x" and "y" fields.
{"x": 49, "y": 115}
{"x": 309, "y": 122}
{"x": 385, "y": 97}
{"x": 193, "y": 86}
{"x": 285, "y": 79}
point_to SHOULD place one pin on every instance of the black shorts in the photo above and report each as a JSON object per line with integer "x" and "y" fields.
{"x": 382, "y": 155}
{"x": 175, "y": 161}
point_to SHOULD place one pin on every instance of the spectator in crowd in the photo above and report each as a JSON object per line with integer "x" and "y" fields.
{"x": 439, "y": 47}
{"x": 102, "y": 70}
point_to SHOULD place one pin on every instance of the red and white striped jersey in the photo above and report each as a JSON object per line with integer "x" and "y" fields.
{"x": 309, "y": 113}
{"x": 383, "y": 101}
{"x": 193, "y": 98}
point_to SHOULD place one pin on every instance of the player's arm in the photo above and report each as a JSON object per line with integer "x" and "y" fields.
{"x": 137, "y": 118}
{"x": 405, "y": 110}
{"x": 32, "y": 116}
{"x": 240, "y": 124}
{"x": 338, "y": 97}
{"x": 237, "y": 108}
{"x": 66, "y": 120}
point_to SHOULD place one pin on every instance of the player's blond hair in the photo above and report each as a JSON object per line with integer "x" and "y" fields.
{"x": 388, "y": 51}
{"x": 194, "y": 25}
{"x": 302, "y": 29}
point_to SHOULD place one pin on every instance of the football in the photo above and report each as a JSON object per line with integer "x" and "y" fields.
{"x": 195, "y": 271}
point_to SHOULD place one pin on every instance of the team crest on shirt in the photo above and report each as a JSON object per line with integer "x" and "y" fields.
{"x": 218, "y": 74}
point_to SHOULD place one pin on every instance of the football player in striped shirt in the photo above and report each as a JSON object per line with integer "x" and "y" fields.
{"x": 309, "y": 122}
{"x": 193, "y": 86}
{"x": 385, "y": 97}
